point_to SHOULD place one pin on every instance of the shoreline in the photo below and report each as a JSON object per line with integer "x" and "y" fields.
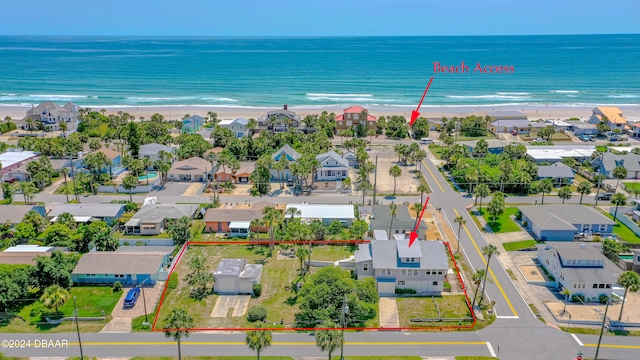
{"x": 176, "y": 112}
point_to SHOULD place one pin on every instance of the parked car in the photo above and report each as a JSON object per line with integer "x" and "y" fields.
{"x": 290, "y": 182}
{"x": 514, "y": 132}
{"x": 426, "y": 141}
{"x": 592, "y": 138}
{"x": 584, "y": 138}
{"x": 605, "y": 196}
{"x": 132, "y": 297}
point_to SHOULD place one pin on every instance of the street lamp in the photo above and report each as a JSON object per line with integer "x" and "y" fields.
{"x": 345, "y": 310}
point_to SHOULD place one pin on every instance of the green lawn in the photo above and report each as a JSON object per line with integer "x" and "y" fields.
{"x": 436, "y": 150}
{"x": 451, "y": 306}
{"x": 519, "y": 245}
{"x": 503, "y": 223}
{"x": 331, "y": 252}
{"x": 623, "y": 231}
{"x": 630, "y": 186}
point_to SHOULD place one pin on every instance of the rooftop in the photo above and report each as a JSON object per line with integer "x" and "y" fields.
{"x": 557, "y": 170}
{"x": 506, "y": 113}
{"x": 91, "y": 210}
{"x": 241, "y": 121}
{"x": 563, "y": 217}
{"x": 14, "y": 213}
{"x": 251, "y": 272}
{"x": 230, "y": 267}
{"x": 29, "y": 248}
{"x": 559, "y": 152}
{"x": 613, "y": 113}
{"x": 153, "y": 149}
{"x": 324, "y": 211}
{"x": 10, "y": 158}
{"x": 384, "y": 253}
{"x": 159, "y": 212}
{"x": 112, "y": 262}
{"x": 381, "y": 218}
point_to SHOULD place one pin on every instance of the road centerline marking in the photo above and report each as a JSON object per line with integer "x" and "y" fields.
{"x": 433, "y": 176}
{"x": 493, "y": 276}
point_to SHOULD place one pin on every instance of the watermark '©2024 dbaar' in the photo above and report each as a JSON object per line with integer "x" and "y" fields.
{"x": 462, "y": 68}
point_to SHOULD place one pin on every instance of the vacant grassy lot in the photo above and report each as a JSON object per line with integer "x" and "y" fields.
{"x": 436, "y": 150}
{"x": 90, "y": 301}
{"x": 519, "y": 245}
{"x": 277, "y": 279}
{"x": 451, "y": 307}
{"x": 623, "y": 231}
{"x": 332, "y": 252}
{"x": 503, "y": 223}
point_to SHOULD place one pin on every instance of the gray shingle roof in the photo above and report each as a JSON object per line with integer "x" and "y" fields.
{"x": 631, "y": 162}
{"x": 561, "y": 217}
{"x": 385, "y": 254}
{"x": 287, "y": 149}
{"x": 509, "y": 123}
{"x": 333, "y": 155}
{"x": 95, "y": 210}
{"x": 111, "y": 262}
{"x": 153, "y": 149}
{"x": 14, "y": 213}
{"x": 230, "y": 267}
{"x": 251, "y": 272}
{"x": 159, "y": 212}
{"x": 381, "y": 219}
{"x": 557, "y": 170}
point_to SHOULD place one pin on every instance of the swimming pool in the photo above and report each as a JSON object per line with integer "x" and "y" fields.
{"x": 152, "y": 175}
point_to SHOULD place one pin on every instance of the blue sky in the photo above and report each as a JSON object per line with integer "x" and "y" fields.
{"x": 318, "y": 17}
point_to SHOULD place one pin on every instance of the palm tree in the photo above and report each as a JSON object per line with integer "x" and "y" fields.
{"x": 630, "y": 281}
{"x": 258, "y": 339}
{"x": 619, "y": 172}
{"x": 477, "y": 279}
{"x": 564, "y": 193}
{"x": 272, "y": 218}
{"x": 301, "y": 253}
{"x": 176, "y": 325}
{"x": 27, "y": 189}
{"x": 584, "y": 188}
{"x": 255, "y": 224}
{"x": 327, "y": 339}
{"x": 147, "y": 164}
{"x": 393, "y": 212}
{"x": 293, "y": 211}
{"x": 460, "y": 221}
{"x": 482, "y": 191}
{"x": 489, "y": 251}
{"x": 54, "y": 296}
{"x": 544, "y": 186}
{"x": 130, "y": 182}
{"x": 417, "y": 207}
{"x": 371, "y": 133}
{"x": 617, "y": 200}
{"x": 423, "y": 188}
{"x": 395, "y": 172}
{"x": 567, "y": 293}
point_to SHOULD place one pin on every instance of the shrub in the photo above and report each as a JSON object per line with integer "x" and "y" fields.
{"x": 518, "y": 215}
{"x": 37, "y": 313}
{"x": 257, "y": 290}
{"x": 257, "y": 313}
{"x": 173, "y": 281}
{"x": 577, "y": 298}
{"x": 401, "y": 291}
{"x": 525, "y": 223}
{"x": 603, "y": 298}
{"x": 117, "y": 286}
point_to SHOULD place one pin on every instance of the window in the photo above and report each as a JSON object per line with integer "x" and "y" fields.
{"x": 404, "y": 272}
{"x": 435, "y": 283}
{"x": 413, "y": 259}
{"x": 349, "y": 123}
{"x": 439, "y": 272}
{"x": 600, "y": 286}
{"x": 365, "y": 267}
{"x": 595, "y": 286}
{"x": 602, "y": 227}
{"x": 401, "y": 282}
{"x": 415, "y": 272}
{"x": 389, "y": 272}
{"x": 406, "y": 260}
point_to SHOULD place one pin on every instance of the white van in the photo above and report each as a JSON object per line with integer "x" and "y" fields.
{"x": 426, "y": 141}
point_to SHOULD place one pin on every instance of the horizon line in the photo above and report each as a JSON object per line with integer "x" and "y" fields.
{"x": 304, "y": 36}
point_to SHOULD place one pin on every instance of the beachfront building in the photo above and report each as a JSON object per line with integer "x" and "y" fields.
{"x": 610, "y": 115}
{"x": 52, "y": 115}
{"x": 506, "y": 115}
{"x": 291, "y": 156}
{"x": 606, "y": 163}
{"x": 192, "y": 124}
{"x": 279, "y": 120}
{"x": 394, "y": 264}
{"x": 494, "y": 146}
{"x": 333, "y": 167}
{"x": 327, "y": 213}
{"x": 237, "y": 126}
{"x": 564, "y": 222}
{"x": 150, "y": 151}
{"x": 581, "y": 128}
{"x": 12, "y": 160}
{"x": 578, "y": 267}
{"x": 352, "y": 116}
{"x": 195, "y": 169}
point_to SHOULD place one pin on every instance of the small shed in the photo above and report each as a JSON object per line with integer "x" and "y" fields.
{"x": 239, "y": 228}
{"x": 235, "y": 276}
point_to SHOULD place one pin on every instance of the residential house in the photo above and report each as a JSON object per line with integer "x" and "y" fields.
{"x": 83, "y": 213}
{"x": 394, "y": 264}
{"x": 494, "y": 146}
{"x": 150, "y": 151}
{"x": 11, "y": 160}
{"x": 237, "y": 126}
{"x": 563, "y": 222}
{"x": 327, "y": 213}
{"x": 506, "y": 115}
{"x": 291, "y": 155}
{"x": 610, "y": 115}
{"x": 578, "y": 267}
{"x": 635, "y": 129}
{"x": 21, "y": 173}
{"x": 192, "y": 124}
{"x": 608, "y": 161}
{"x": 555, "y": 153}
{"x": 559, "y": 173}
{"x": 215, "y": 150}
{"x": 221, "y": 220}
{"x": 116, "y": 167}
{"x": 130, "y": 265}
{"x": 580, "y": 128}
{"x": 352, "y": 116}
{"x": 279, "y": 120}
{"x": 153, "y": 219}
{"x": 25, "y": 254}
{"x": 13, "y": 214}
{"x": 351, "y": 158}
{"x": 235, "y": 276}
{"x": 522, "y": 126}
{"x": 333, "y": 167}
{"x": 195, "y": 169}
{"x": 403, "y": 223}
{"x": 242, "y": 175}
{"x": 52, "y": 114}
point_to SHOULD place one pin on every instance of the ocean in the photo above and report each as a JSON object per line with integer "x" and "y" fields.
{"x": 319, "y": 71}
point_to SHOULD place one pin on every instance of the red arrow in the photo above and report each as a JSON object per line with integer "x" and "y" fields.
{"x": 414, "y": 234}
{"x": 415, "y": 113}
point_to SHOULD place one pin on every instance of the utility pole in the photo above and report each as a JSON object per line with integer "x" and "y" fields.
{"x": 75, "y": 313}
{"x": 345, "y": 310}
{"x": 604, "y": 319}
{"x": 144, "y": 300}
{"x": 375, "y": 181}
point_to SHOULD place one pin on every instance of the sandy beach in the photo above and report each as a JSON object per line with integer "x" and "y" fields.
{"x": 534, "y": 112}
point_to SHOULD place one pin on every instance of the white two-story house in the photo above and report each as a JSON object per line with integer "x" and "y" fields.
{"x": 393, "y": 264}
{"x": 237, "y": 126}
{"x": 332, "y": 167}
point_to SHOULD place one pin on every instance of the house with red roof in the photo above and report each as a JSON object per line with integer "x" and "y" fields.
{"x": 353, "y": 116}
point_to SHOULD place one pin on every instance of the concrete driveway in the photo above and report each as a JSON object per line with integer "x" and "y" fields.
{"x": 122, "y": 316}
{"x": 388, "y": 313}
{"x": 238, "y": 303}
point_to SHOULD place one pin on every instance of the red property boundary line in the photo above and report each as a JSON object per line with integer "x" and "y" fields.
{"x": 317, "y": 242}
